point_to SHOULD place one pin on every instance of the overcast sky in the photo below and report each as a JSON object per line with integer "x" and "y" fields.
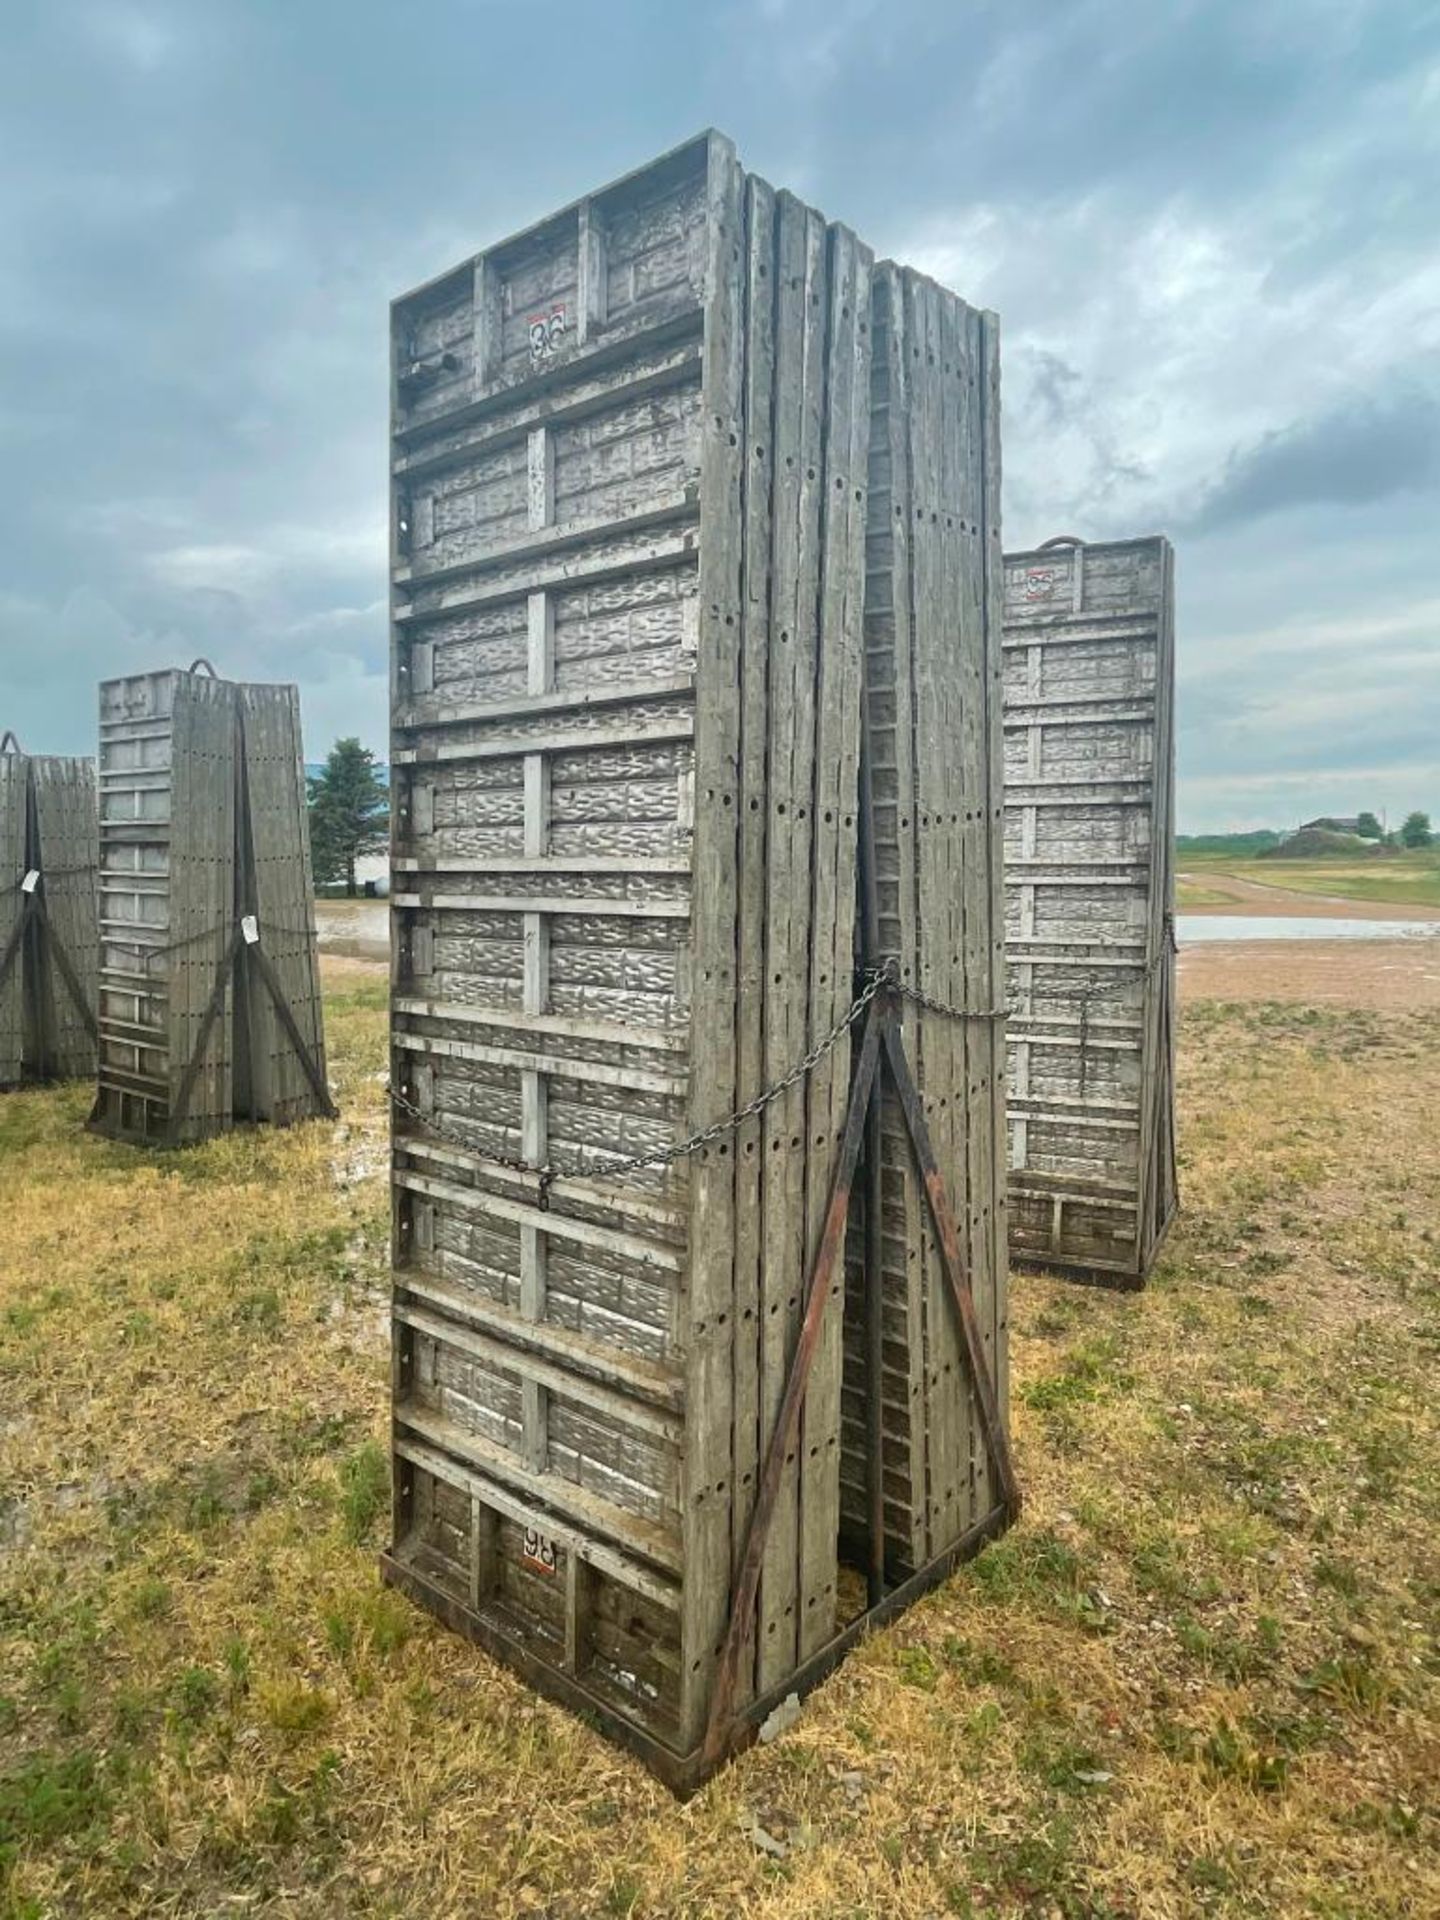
{"x": 1212, "y": 232}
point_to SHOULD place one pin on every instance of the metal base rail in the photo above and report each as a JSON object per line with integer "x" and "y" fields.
{"x": 1127, "y": 1279}
{"x": 683, "y": 1773}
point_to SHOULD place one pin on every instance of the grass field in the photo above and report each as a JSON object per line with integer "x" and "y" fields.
{"x": 1199, "y": 1678}
{"x": 1409, "y": 879}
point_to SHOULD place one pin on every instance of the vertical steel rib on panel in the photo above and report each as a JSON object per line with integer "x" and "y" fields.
{"x": 932, "y": 653}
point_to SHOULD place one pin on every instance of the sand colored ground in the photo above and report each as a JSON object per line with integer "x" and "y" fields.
{"x": 1383, "y": 975}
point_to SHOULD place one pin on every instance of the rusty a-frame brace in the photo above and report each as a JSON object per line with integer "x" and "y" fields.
{"x": 882, "y": 1052}
{"x": 245, "y": 940}
{"x": 32, "y": 908}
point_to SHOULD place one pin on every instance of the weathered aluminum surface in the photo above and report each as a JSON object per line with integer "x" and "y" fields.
{"x": 202, "y": 822}
{"x": 1089, "y": 735}
{"x": 632, "y": 499}
{"x": 629, "y": 471}
{"x": 933, "y": 629}
{"x": 48, "y": 857}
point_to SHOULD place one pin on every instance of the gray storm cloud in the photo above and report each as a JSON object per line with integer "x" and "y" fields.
{"x": 1208, "y": 230}
{"x": 1365, "y": 450}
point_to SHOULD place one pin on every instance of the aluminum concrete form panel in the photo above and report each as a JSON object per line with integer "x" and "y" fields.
{"x": 1089, "y": 797}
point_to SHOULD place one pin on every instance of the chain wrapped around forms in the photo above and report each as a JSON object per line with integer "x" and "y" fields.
{"x": 663, "y": 1157}
{"x": 1096, "y": 990}
{"x": 152, "y": 951}
{"x": 876, "y": 981}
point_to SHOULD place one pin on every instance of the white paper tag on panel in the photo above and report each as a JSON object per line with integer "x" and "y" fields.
{"x": 689, "y": 630}
{"x": 250, "y": 930}
{"x": 30, "y": 882}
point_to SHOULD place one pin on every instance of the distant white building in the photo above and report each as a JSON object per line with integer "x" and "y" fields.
{"x": 372, "y": 872}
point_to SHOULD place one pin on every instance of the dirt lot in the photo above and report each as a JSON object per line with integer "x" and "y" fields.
{"x": 1199, "y": 1678}
{"x": 357, "y": 928}
{"x": 1385, "y": 975}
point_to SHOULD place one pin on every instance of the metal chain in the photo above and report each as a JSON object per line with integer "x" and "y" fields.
{"x": 1096, "y": 991}
{"x": 927, "y": 1000}
{"x": 225, "y": 923}
{"x": 877, "y": 979}
{"x": 1097, "y": 988}
{"x": 442, "y": 1132}
{"x": 666, "y": 1156}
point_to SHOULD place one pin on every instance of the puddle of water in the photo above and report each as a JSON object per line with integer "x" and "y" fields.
{"x": 1196, "y": 929}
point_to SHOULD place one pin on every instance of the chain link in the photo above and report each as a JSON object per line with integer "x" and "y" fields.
{"x": 1095, "y": 991}
{"x": 932, "y": 1005}
{"x": 225, "y": 924}
{"x": 664, "y": 1157}
{"x": 876, "y": 981}
{"x": 1099, "y": 987}
{"x": 441, "y": 1132}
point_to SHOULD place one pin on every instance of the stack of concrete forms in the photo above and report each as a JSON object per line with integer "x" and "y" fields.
{"x": 1089, "y": 737}
{"x": 932, "y": 629}
{"x": 48, "y": 860}
{"x": 630, "y": 452}
{"x": 204, "y": 890}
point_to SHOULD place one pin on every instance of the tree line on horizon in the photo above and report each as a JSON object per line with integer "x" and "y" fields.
{"x": 1414, "y": 834}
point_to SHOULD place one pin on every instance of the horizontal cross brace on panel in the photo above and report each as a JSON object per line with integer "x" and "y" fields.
{"x": 621, "y": 345}
{"x": 679, "y": 506}
{"x": 559, "y": 700}
{"x": 565, "y": 409}
{"x": 476, "y": 1201}
{"x": 561, "y": 1025}
{"x": 580, "y": 1192}
{"x": 679, "y": 726}
{"x": 639, "y": 1537}
{"x": 532, "y": 1061}
{"x": 675, "y": 549}
{"x": 601, "y": 1359}
{"x": 556, "y": 1379}
{"x": 546, "y": 903}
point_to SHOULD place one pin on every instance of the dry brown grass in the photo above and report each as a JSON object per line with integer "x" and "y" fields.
{"x": 1200, "y": 1678}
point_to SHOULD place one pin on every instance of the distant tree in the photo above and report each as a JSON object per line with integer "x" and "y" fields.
{"x": 1239, "y": 845}
{"x": 349, "y": 813}
{"x": 1369, "y": 828}
{"x": 1416, "y": 831}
